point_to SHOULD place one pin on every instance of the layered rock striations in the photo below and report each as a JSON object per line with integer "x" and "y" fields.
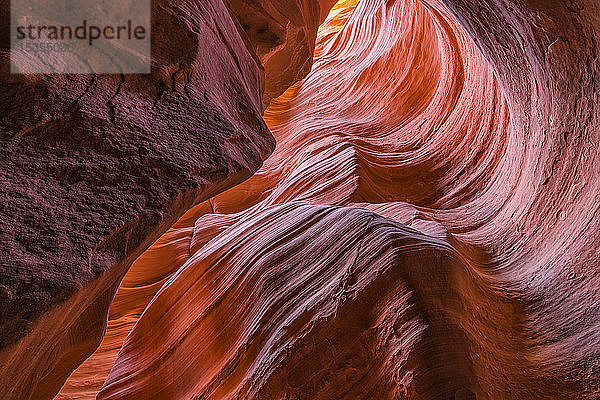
{"x": 359, "y": 313}
{"x": 545, "y": 54}
{"x": 425, "y": 228}
{"x": 94, "y": 168}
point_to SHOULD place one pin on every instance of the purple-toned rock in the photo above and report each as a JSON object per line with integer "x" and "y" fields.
{"x": 94, "y": 168}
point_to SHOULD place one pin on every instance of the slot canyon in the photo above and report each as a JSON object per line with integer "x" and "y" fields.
{"x": 368, "y": 199}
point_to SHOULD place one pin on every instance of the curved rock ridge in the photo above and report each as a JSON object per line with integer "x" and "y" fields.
{"x": 423, "y": 230}
{"x": 362, "y": 312}
{"x": 94, "y": 168}
{"x": 282, "y": 36}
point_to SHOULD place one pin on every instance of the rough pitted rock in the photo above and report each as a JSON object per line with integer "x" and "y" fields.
{"x": 95, "y": 167}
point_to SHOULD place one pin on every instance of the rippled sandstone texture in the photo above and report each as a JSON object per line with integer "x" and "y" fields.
{"x": 423, "y": 230}
{"x": 95, "y": 168}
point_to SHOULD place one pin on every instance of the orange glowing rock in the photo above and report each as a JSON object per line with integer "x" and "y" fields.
{"x": 423, "y": 230}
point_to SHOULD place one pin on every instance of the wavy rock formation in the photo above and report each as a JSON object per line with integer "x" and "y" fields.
{"x": 425, "y": 229}
{"x": 351, "y": 315}
{"x": 467, "y": 272}
{"x": 94, "y": 168}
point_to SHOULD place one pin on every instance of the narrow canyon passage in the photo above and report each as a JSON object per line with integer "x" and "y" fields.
{"x": 361, "y": 200}
{"x": 374, "y": 255}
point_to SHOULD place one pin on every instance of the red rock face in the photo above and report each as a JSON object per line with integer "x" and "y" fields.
{"x": 282, "y": 35}
{"x": 95, "y": 168}
{"x": 425, "y": 228}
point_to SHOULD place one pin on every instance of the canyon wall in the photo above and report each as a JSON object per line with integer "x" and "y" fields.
{"x": 282, "y": 34}
{"x": 424, "y": 229}
{"x": 94, "y": 168}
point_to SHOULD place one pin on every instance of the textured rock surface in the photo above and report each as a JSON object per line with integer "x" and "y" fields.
{"x": 282, "y": 35}
{"x": 351, "y": 315}
{"x": 547, "y": 58}
{"x": 414, "y": 127}
{"x": 469, "y": 270}
{"x": 96, "y": 168}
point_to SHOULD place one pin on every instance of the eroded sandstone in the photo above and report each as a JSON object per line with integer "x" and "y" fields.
{"x": 282, "y": 35}
{"x": 94, "y": 168}
{"x": 425, "y": 229}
